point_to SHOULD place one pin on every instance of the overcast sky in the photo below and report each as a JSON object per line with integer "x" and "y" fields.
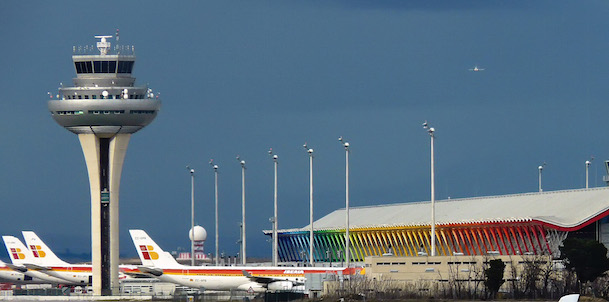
{"x": 240, "y": 77}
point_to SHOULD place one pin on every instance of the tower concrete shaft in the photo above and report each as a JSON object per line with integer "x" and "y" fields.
{"x": 104, "y": 158}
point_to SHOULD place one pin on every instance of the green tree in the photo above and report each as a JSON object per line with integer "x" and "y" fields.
{"x": 587, "y": 257}
{"x": 494, "y": 276}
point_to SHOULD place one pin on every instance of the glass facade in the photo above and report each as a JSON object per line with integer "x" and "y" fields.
{"x": 103, "y": 66}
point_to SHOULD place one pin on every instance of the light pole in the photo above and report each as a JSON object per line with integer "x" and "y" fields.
{"x": 346, "y": 145}
{"x": 431, "y": 131}
{"x": 192, "y": 214}
{"x": 540, "y": 168}
{"x": 588, "y": 163}
{"x": 243, "y": 256}
{"x": 311, "y": 238}
{"x": 275, "y": 157}
{"x": 215, "y": 167}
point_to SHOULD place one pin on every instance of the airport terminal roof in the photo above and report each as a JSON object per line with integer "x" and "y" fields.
{"x": 562, "y": 210}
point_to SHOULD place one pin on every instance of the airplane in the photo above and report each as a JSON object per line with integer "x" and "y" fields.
{"x": 476, "y": 68}
{"x": 46, "y": 261}
{"x": 8, "y": 275}
{"x": 21, "y": 258}
{"x": 164, "y": 267}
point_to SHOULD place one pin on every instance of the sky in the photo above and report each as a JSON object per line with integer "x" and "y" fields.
{"x": 240, "y": 77}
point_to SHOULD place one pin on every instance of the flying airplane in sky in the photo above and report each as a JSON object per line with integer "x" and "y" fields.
{"x": 476, "y": 68}
{"x": 47, "y": 262}
{"x": 163, "y": 266}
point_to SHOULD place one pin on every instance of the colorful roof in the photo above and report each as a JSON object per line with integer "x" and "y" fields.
{"x": 563, "y": 210}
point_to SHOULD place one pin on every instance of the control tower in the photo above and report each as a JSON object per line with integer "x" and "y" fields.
{"x": 104, "y": 108}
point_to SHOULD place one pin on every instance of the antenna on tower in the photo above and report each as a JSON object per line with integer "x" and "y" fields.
{"x": 103, "y": 46}
{"x": 117, "y": 35}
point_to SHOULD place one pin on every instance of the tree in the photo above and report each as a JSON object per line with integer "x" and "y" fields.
{"x": 494, "y": 276}
{"x": 587, "y": 257}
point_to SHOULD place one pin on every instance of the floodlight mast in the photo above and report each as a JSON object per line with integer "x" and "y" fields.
{"x": 275, "y": 163}
{"x": 215, "y": 167}
{"x": 311, "y": 235}
{"x": 540, "y": 168}
{"x": 347, "y": 226}
{"x": 431, "y": 131}
{"x": 192, "y": 215}
{"x": 588, "y": 163}
{"x": 243, "y": 248}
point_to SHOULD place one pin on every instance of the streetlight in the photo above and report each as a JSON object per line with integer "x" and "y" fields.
{"x": 243, "y": 256}
{"x": 215, "y": 167}
{"x": 346, "y": 145}
{"x": 540, "y": 168}
{"x": 192, "y": 214}
{"x": 431, "y": 131}
{"x": 311, "y": 239}
{"x": 275, "y": 157}
{"x": 588, "y": 163}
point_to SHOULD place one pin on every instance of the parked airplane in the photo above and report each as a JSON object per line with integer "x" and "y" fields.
{"x": 8, "y": 275}
{"x": 21, "y": 258}
{"x": 46, "y": 261}
{"x": 163, "y": 266}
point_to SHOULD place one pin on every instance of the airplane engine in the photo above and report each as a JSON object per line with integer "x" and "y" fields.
{"x": 280, "y": 285}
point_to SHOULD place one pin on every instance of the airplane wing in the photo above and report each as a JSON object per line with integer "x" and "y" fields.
{"x": 36, "y": 267}
{"x": 267, "y": 280}
{"x": 150, "y": 271}
{"x": 132, "y": 272}
{"x": 17, "y": 268}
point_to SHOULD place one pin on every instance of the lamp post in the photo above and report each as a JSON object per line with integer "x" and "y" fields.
{"x": 275, "y": 158}
{"x": 192, "y": 214}
{"x": 215, "y": 167}
{"x": 588, "y": 162}
{"x": 431, "y": 132}
{"x": 243, "y": 256}
{"x": 346, "y": 145}
{"x": 311, "y": 238}
{"x": 540, "y": 168}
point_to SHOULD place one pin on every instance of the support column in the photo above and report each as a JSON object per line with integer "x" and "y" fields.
{"x": 104, "y": 158}
{"x": 118, "y": 150}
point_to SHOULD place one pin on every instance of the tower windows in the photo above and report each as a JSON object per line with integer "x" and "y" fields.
{"x": 141, "y": 111}
{"x": 75, "y": 112}
{"x": 125, "y": 66}
{"x": 106, "y": 112}
{"x": 104, "y": 66}
{"x": 101, "y": 67}
{"x": 84, "y": 67}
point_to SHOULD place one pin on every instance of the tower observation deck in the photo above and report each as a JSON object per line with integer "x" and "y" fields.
{"x": 104, "y": 100}
{"x": 104, "y": 107}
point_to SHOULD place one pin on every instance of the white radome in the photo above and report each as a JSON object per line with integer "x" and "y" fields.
{"x": 200, "y": 233}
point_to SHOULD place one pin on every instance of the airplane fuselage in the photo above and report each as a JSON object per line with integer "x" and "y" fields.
{"x": 234, "y": 278}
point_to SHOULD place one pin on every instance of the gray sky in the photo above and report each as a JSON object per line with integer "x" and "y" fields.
{"x": 239, "y": 77}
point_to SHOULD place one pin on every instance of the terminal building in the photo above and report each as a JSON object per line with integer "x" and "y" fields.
{"x": 518, "y": 224}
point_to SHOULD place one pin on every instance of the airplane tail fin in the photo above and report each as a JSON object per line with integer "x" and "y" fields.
{"x": 41, "y": 251}
{"x": 150, "y": 253}
{"x": 19, "y": 254}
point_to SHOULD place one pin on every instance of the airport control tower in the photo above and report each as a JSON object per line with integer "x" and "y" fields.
{"x": 104, "y": 108}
